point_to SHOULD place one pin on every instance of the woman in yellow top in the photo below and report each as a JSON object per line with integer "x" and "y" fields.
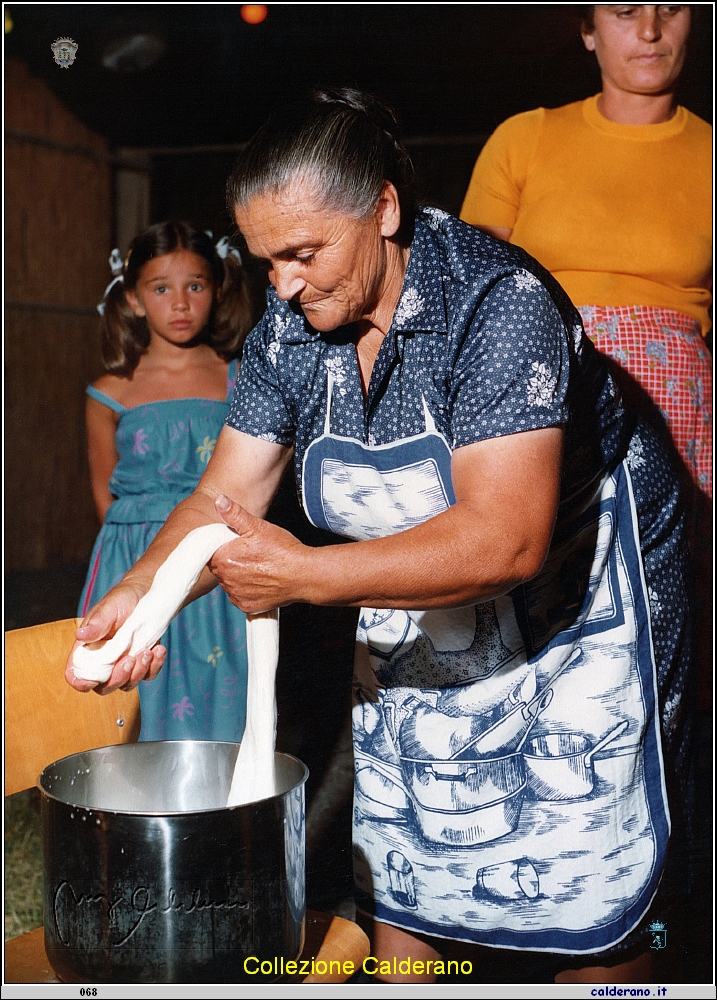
{"x": 613, "y": 196}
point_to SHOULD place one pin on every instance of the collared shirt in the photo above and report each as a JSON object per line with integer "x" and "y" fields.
{"x": 482, "y": 337}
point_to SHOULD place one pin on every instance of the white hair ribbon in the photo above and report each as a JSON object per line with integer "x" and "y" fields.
{"x": 116, "y": 262}
{"x": 117, "y": 267}
{"x": 224, "y": 249}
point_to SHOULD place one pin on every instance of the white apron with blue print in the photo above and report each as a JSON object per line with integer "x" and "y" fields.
{"x": 508, "y": 775}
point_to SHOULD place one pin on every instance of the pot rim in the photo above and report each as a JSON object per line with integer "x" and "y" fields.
{"x": 486, "y": 805}
{"x": 562, "y": 756}
{"x": 166, "y": 812}
{"x": 465, "y": 762}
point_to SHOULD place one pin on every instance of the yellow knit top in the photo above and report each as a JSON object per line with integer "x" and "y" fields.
{"x": 620, "y": 214}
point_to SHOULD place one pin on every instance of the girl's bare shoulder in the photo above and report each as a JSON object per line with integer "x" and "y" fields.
{"x": 114, "y": 386}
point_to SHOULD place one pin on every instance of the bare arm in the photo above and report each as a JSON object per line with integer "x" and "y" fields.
{"x": 496, "y": 536}
{"x": 102, "y": 453}
{"x": 244, "y": 468}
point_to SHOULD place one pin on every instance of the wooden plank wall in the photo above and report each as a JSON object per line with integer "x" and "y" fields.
{"x": 58, "y": 234}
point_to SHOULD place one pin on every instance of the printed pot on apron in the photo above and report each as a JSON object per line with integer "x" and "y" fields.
{"x": 560, "y": 765}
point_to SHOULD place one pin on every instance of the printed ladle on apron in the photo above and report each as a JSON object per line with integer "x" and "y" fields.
{"x": 509, "y": 733}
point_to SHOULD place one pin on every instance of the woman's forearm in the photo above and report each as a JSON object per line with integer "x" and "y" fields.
{"x": 194, "y": 512}
{"x": 451, "y": 561}
{"x": 496, "y": 536}
{"x": 234, "y": 454}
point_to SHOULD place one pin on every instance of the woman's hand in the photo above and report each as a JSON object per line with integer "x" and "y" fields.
{"x": 101, "y": 623}
{"x": 234, "y": 453}
{"x": 494, "y": 538}
{"x": 262, "y": 569}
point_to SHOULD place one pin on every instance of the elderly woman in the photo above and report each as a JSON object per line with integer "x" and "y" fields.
{"x": 613, "y": 196}
{"x": 512, "y": 529}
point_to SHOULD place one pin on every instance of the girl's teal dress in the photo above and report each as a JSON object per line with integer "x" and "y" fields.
{"x": 163, "y": 449}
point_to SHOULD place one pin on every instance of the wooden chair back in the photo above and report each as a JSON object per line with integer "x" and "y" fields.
{"x": 45, "y": 718}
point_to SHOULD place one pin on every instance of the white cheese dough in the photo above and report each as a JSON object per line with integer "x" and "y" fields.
{"x": 148, "y": 622}
{"x": 254, "y": 773}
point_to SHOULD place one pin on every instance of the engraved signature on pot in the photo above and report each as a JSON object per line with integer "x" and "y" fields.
{"x": 126, "y": 913}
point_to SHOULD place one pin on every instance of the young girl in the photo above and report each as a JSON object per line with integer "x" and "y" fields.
{"x": 173, "y": 325}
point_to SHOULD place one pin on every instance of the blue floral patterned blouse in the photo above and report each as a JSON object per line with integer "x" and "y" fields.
{"x": 483, "y": 339}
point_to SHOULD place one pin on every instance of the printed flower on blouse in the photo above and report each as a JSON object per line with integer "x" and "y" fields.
{"x": 335, "y": 367}
{"x": 206, "y": 448}
{"x": 139, "y": 447}
{"x": 671, "y": 711}
{"x": 182, "y": 708}
{"x": 525, "y": 280}
{"x": 214, "y": 656}
{"x": 281, "y": 323}
{"x": 541, "y": 386}
{"x": 410, "y": 305}
{"x": 655, "y": 603}
{"x": 635, "y": 457}
{"x": 434, "y": 217}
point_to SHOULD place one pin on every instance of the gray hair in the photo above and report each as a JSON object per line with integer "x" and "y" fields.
{"x": 343, "y": 141}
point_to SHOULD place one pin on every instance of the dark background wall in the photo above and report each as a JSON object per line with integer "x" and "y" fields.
{"x": 58, "y": 222}
{"x": 203, "y": 78}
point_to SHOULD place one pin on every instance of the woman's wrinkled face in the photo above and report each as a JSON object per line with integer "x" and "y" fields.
{"x": 329, "y": 263}
{"x": 640, "y": 47}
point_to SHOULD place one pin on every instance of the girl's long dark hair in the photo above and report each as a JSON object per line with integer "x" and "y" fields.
{"x": 125, "y": 337}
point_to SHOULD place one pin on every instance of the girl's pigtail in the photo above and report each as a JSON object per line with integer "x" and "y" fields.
{"x": 232, "y": 319}
{"x": 125, "y": 337}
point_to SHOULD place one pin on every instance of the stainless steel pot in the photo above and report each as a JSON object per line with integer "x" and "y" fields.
{"x": 149, "y": 878}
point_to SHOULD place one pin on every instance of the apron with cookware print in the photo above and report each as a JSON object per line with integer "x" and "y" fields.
{"x": 509, "y": 787}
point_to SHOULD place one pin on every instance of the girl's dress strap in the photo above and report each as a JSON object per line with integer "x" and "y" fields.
{"x": 106, "y": 400}
{"x": 232, "y": 377}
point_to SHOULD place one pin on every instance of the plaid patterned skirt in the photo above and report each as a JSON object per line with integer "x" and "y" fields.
{"x": 664, "y": 351}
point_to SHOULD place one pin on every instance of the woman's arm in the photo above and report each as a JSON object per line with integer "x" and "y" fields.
{"x": 496, "y": 536}
{"x": 102, "y": 453}
{"x": 244, "y": 468}
{"x": 493, "y": 199}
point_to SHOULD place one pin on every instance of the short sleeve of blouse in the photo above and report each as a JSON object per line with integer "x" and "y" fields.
{"x": 258, "y": 407}
{"x": 494, "y": 193}
{"x": 512, "y": 370}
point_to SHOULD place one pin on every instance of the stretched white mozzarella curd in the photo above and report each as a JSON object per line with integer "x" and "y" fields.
{"x": 149, "y": 620}
{"x": 254, "y": 772}
{"x": 254, "y": 776}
